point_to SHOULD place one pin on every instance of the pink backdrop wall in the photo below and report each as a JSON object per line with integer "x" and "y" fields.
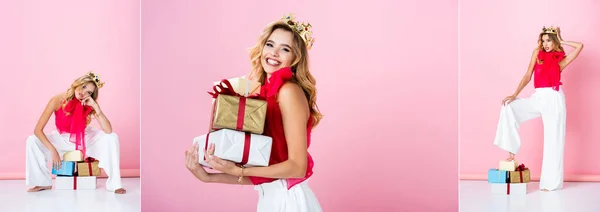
{"x": 396, "y": 60}
{"x": 496, "y": 42}
{"x": 48, "y": 45}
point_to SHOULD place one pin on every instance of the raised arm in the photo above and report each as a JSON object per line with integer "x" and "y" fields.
{"x": 571, "y": 56}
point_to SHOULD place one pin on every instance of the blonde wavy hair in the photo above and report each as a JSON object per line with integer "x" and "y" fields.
{"x": 79, "y": 82}
{"x": 301, "y": 76}
{"x": 557, "y": 46}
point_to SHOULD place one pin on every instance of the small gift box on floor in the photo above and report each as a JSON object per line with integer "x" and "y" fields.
{"x": 509, "y": 188}
{"x": 67, "y": 168}
{"x": 520, "y": 175}
{"x": 498, "y": 176}
{"x": 239, "y": 147}
{"x": 243, "y": 86}
{"x": 75, "y": 155}
{"x": 88, "y": 168}
{"x": 75, "y": 183}
{"x": 232, "y": 111}
{"x": 507, "y": 165}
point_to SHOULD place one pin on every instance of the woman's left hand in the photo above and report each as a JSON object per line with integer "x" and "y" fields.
{"x": 219, "y": 164}
{"x": 90, "y": 102}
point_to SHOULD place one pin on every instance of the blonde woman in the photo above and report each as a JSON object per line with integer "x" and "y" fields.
{"x": 546, "y": 66}
{"x": 280, "y": 64}
{"x": 73, "y": 111}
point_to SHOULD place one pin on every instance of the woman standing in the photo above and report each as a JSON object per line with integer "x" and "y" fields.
{"x": 546, "y": 66}
{"x": 280, "y": 64}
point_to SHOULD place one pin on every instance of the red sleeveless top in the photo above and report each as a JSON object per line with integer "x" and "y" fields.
{"x": 547, "y": 74}
{"x": 72, "y": 119}
{"x": 274, "y": 128}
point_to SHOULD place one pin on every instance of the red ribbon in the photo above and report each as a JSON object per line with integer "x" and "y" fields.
{"x": 74, "y": 182}
{"x": 508, "y": 188}
{"x": 246, "y": 152}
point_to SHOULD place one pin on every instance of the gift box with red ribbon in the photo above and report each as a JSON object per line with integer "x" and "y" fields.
{"x": 243, "y": 148}
{"x": 233, "y": 111}
{"x": 75, "y": 183}
{"x": 88, "y": 168}
{"x": 520, "y": 175}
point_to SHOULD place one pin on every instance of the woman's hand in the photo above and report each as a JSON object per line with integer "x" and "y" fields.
{"x": 90, "y": 102}
{"x": 558, "y": 34}
{"x": 56, "y": 162}
{"x": 192, "y": 164}
{"x": 508, "y": 99}
{"x": 219, "y": 164}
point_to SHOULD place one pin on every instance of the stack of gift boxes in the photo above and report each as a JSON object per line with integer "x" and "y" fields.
{"x": 509, "y": 178}
{"x": 76, "y": 173}
{"x": 237, "y": 124}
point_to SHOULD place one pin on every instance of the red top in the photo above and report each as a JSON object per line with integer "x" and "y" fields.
{"x": 547, "y": 74}
{"x": 274, "y": 128}
{"x": 72, "y": 119}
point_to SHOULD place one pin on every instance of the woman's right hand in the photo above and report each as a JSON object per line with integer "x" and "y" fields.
{"x": 192, "y": 164}
{"x": 56, "y": 162}
{"x": 508, "y": 99}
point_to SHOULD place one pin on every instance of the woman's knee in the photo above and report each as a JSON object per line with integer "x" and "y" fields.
{"x": 111, "y": 137}
{"x": 31, "y": 142}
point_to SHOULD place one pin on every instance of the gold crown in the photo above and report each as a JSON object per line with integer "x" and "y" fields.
{"x": 301, "y": 28}
{"x": 96, "y": 79}
{"x": 549, "y": 30}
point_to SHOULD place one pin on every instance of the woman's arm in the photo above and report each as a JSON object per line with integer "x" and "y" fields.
{"x": 100, "y": 117}
{"x": 295, "y": 113}
{"x": 38, "y": 131}
{"x": 103, "y": 121}
{"x": 527, "y": 77}
{"x": 571, "y": 56}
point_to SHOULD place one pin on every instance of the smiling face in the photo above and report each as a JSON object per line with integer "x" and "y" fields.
{"x": 277, "y": 52}
{"x": 85, "y": 90}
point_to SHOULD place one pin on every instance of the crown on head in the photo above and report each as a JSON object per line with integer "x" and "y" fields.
{"x": 550, "y": 30}
{"x": 301, "y": 28}
{"x": 96, "y": 79}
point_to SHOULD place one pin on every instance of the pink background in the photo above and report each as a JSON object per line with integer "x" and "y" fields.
{"x": 496, "y": 42}
{"x": 48, "y": 44}
{"x": 395, "y": 60}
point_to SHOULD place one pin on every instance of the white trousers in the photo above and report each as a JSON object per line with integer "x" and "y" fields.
{"x": 550, "y": 105}
{"x": 99, "y": 145}
{"x": 275, "y": 197}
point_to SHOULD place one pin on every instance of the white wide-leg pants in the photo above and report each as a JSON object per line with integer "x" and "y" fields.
{"x": 99, "y": 145}
{"x": 275, "y": 197}
{"x": 550, "y": 105}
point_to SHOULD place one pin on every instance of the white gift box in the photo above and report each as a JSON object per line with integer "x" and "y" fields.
{"x": 229, "y": 145}
{"x": 507, "y": 165}
{"x": 75, "y": 183}
{"x": 509, "y": 188}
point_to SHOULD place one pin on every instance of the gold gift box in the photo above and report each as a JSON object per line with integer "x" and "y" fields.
{"x": 240, "y": 84}
{"x": 83, "y": 168}
{"x": 515, "y": 176}
{"x": 225, "y": 114}
{"x": 75, "y": 155}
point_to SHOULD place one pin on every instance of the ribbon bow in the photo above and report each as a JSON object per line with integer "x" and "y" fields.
{"x": 224, "y": 87}
{"x": 89, "y": 159}
{"x": 521, "y": 168}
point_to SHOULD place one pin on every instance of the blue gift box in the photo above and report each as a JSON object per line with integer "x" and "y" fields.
{"x": 67, "y": 169}
{"x": 497, "y": 176}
